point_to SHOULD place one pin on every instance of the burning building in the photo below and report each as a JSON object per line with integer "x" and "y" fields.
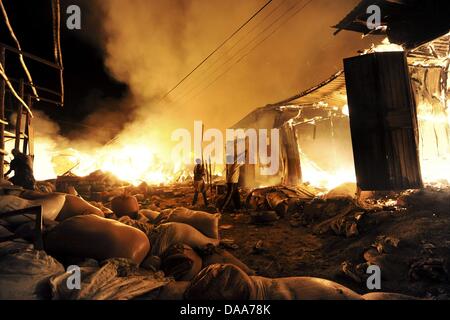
{"x": 362, "y": 187}
{"x": 316, "y": 134}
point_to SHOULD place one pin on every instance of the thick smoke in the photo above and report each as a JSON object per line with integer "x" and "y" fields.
{"x": 151, "y": 45}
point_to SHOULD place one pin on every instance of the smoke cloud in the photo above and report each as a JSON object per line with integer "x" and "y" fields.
{"x": 151, "y": 45}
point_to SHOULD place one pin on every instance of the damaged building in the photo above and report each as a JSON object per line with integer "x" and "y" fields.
{"x": 316, "y": 136}
{"x": 363, "y": 184}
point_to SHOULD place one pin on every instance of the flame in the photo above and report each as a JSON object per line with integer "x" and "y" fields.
{"x": 320, "y": 178}
{"x": 434, "y": 144}
{"x": 132, "y": 163}
{"x": 384, "y": 46}
{"x": 345, "y": 110}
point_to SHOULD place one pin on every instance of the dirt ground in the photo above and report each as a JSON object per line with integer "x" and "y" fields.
{"x": 408, "y": 239}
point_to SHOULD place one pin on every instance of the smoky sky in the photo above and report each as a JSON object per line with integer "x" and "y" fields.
{"x": 150, "y": 45}
{"x": 130, "y": 53}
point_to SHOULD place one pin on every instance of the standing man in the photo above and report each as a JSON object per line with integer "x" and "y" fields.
{"x": 199, "y": 182}
{"x": 23, "y": 171}
{"x": 233, "y": 168}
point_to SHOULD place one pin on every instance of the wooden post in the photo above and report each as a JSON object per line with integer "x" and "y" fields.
{"x": 2, "y": 114}
{"x": 19, "y": 116}
{"x": 26, "y": 137}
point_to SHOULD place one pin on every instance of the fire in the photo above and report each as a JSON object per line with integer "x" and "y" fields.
{"x": 384, "y": 46}
{"x": 131, "y": 163}
{"x": 320, "y": 178}
{"x": 434, "y": 144}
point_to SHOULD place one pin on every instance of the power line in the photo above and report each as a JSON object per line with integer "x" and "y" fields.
{"x": 245, "y": 46}
{"x": 253, "y": 48}
{"x": 189, "y": 88}
{"x": 217, "y": 49}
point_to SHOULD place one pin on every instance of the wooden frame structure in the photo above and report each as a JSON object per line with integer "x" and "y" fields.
{"x": 23, "y": 132}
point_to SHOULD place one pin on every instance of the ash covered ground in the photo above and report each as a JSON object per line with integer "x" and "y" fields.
{"x": 337, "y": 238}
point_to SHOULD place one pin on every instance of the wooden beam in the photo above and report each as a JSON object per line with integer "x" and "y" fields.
{"x": 26, "y": 135}
{"x": 19, "y": 116}
{"x": 2, "y": 114}
{"x": 30, "y": 56}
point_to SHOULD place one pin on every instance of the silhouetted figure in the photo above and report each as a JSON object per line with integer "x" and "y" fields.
{"x": 199, "y": 182}
{"x": 23, "y": 171}
{"x": 233, "y": 168}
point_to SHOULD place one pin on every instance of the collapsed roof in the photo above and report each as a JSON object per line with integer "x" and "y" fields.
{"x": 332, "y": 91}
{"x": 410, "y": 23}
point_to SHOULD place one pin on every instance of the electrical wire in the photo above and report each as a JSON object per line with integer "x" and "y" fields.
{"x": 217, "y": 49}
{"x": 189, "y": 88}
{"x": 253, "y": 48}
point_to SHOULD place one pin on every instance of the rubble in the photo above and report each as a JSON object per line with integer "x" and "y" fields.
{"x": 327, "y": 238}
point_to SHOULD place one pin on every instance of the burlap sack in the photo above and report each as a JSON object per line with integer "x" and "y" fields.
{"x": 168, "y": 234}
{"x": 299, "y": 288}
{"x": 221, "y": 256}
{"x": 387, "y": 296}
{"x": 205, "y": 222}
{"x": 220, "y": 282}
{"x": 228, "y": 282}
{"x": 95, "y": 237}
{"x": 24, "y": 272}
{"x": 181, "y": 262}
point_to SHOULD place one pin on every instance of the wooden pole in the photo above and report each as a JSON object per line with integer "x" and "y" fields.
{"x": 2, "y": 114}
{"x": 19, "y": 116}
{"x": 210, "y": 176}
{"x": 27, "y": 138}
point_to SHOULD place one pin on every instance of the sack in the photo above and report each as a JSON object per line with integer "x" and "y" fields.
{"x": 125, "y": 206}
{"x": 24, "y": 272}
{"x": 221, "y": 256}
{"x": 172, "y": 291}
{"x": 95, "y": 237}
{"x": 387, "y": 296}
{"x": 220, "y": 282}
{"x": 181, "y": 262}
{"x": 205, "y": 222}
{"x": 168, "y": 234}
{"x": 76, "y": 206}
{"x": 300, "y": 288}
{"x": 5, "y": 233}
{"x": 151, "y": 215}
